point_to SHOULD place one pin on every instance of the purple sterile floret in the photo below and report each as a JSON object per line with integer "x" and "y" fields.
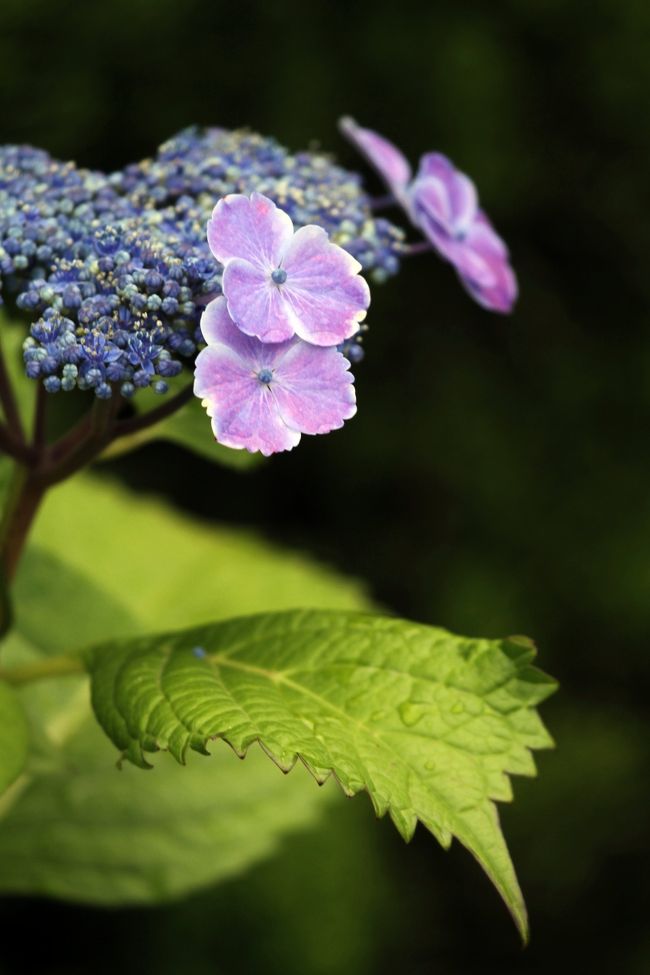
{"x": 262, "y": 396}
{"x": 449, "y": 196}
{"x": 478, "y": 254}
{"x": 442, "y": 202}
{"x": 279, "y": 283}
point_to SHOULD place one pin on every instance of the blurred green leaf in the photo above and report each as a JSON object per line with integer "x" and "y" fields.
{"x": 12, "y": 336}
{"x": 6, "y": 471}
{"x": 85, "y": 830}
{"x": 13, "y": 737}
{"x": 46, "y": 582}
{"x": 73, "y": 825}
{"x": 429, "y": 724}
{"x": 175, "y": 571}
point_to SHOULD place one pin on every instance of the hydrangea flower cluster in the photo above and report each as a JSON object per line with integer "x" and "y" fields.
{"x": 442, "y": 203}
{"x": 115, "y": 270}
{"x": 272, "y": 369}
{"x": 123, "y": 287}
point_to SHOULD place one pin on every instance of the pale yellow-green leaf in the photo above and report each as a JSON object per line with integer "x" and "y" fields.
{"x": 428, "y": 723}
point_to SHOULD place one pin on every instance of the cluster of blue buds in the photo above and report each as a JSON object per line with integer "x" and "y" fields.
{"x": 115, "y": 270}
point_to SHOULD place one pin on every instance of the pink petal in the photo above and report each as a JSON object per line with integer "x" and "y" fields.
{"x": 437, "y": 165}
{"x": 484, "y": 269}
{"x": 387, "y": 159}
{"x": 428, "y": 206}
{"x": 243, "y": 410}
{"x": 231, "y": 368}
{"x": 250, "y": 228}
{"x": 464, "y": 202}
{"x": 253, "y": 422}
{"x": 218, "y": 328}
{"x": 255, "y": 303}
{"x": 448, "y": 195}
{"x": 324, "y": 294}
{"x": 216, "y": 324}
{"x": 480, "y": 257}
{"x": 483, "y": 228}
{"x": 313, "y": 388}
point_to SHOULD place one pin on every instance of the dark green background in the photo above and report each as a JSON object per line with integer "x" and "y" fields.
{"x": 494, "y": 481}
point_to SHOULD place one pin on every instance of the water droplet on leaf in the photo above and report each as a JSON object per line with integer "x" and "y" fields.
{"x": 410, "y": 713}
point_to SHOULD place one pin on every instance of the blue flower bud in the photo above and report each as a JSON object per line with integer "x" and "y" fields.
{"x": 169, "y": 307}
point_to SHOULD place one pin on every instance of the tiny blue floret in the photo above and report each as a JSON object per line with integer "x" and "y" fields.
{"x": 279, "y": 276}
{"x": 265, "y": 375}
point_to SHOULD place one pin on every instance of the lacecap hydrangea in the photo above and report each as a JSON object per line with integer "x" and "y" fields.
{"x": 115, "y": 270}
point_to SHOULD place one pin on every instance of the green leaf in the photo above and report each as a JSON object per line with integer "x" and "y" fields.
{"x": 49, "y": 595}
{"x": 84, "y": 830}
{"x": 12, "y": 336}
{"x": 73, "y": 825}
{"x": 13, "y": 737}
{"x": 175, "y": 571}
{"x": 429, "y": 724}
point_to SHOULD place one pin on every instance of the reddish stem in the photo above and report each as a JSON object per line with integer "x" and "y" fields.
{"x": 23, "y": 504}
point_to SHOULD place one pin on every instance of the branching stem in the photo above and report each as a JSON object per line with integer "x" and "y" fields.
{"x": 422, "y": 247}
{"x": 142, "y": 421}
{"x": 40, "y": 466}
{"x": 15, "y": 448}
{"x": 21, "y": 504}
{"x": 382, "y": 202}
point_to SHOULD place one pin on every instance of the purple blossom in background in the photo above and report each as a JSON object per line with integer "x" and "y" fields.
{"x": 279, "y": 283}
{"x": 442, "y": 202}
{"x": 262, "y": 396}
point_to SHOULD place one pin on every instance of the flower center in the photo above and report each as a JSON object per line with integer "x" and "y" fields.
{"x": 265, "y": 376}
{"x": 279, "y": 276}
